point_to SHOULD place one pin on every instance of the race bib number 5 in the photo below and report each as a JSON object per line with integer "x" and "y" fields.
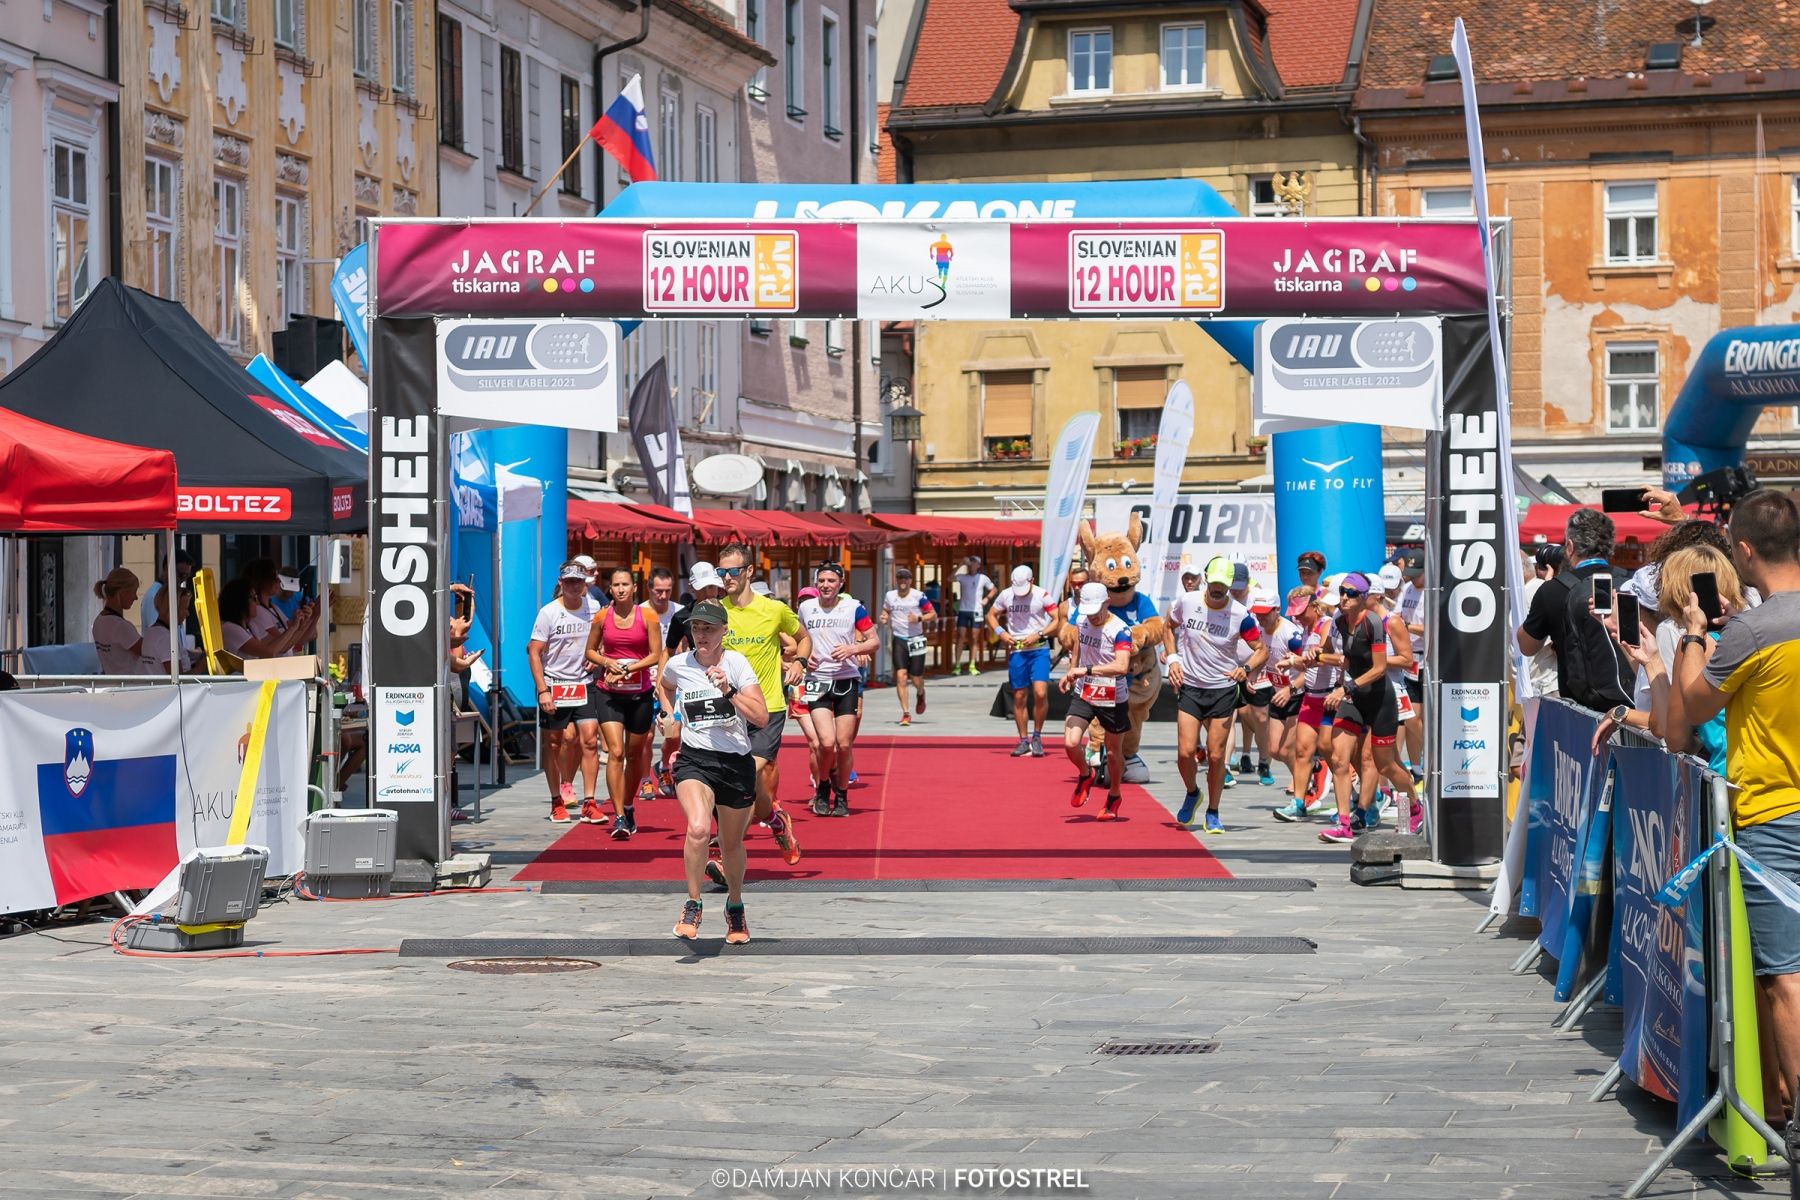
{"x": 1096, "y": 690}
{"x": 568, "y": 695}
{"x": 706, "y": 708}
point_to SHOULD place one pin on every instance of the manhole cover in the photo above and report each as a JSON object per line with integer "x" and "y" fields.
{"x": 1158, "y": 1048}
{"x": 524, "y": 966}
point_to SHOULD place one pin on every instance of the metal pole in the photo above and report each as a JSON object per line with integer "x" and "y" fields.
{"x": 177, "y": 637}
{"x": 497, "y": 690}
{"x": 1613, "y": 1074}
{"x": 322, "y": 547}
{"x": 1583, "y": 1001}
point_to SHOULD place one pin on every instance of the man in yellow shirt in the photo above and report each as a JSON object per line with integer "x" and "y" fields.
{"x": 755, "y": 625}
{"x": 1753, "y": 672}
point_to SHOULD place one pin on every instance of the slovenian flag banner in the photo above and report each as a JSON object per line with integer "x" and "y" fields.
{"x": 624, "y": 132}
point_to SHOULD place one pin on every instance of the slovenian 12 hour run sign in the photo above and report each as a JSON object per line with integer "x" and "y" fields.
{"x": 722, "y": 272}
{"x": 1159, "y": 271}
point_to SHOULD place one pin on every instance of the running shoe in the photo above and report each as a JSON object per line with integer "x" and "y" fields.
{"x": 1243, "y": 767}
{"x": 715, "y": 872}
{"x": 1136, "y": 770}
{"x": 840, "y": 804}
{"x": 1213, "y": 824}
{"x": 974, "y": 670}
{"x": 1293, "y": 810}
{"x": 591, "y": 814}
{"x": 821, "y": 801}
{"x": 1083, "y": 786}
{"x": 737, "y": 929}
{"x": 1371, "y": 817}
{"x": 1185, "y": 818}
{"x": 1037, "y": 745}
{"x": 1230, "y": 779}
{"x": 1321, "y": 804}
{"x": 920, "y": 707}
{"x": 625, "y": 826}
{"x": 1023, "y": 748}
{"x": 568, "y": 793}
{"x": 1265, "y": 775}
{"x": 1338, "y": 831}
{"x": 559, "y": 812}
{"x": 1417, "y": 824}
{"x": 1315, "y": 783}
{"x": 665, "y": 784}
{"x": 852, "y": 778}
{"x": 906, "y": 718}
{"x": 1110, "y": 810}
{"x": 783, "y": 830}
{"x": 459, "y": 815}
{"x": 689, "y": 925}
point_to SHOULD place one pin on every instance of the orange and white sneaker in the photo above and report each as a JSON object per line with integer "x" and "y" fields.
{"x": 737, "y": 928}
{"x": 783, "y": 829}
{"x": 689, "y": 925}
{"x": 591, "y": 814}
{"x": 559, "y": 812}
{"x": 906, "y": 718}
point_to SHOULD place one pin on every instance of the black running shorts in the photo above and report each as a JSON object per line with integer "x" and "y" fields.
{"x": 1114, "y": 718}
{"x": 839, "y": 700}
{"x": 732, "y": 777}
{"x": 1374, "y": 708}
{"x": 636, "y": 711}
{"x": 1208, "y": 704}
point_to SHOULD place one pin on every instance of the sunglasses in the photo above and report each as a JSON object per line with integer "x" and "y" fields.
{"x": 732, "y": 572}
{"x": 1349, "y": 593}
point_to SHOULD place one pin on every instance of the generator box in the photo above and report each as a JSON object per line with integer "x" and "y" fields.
{"x": 350, "y": 852}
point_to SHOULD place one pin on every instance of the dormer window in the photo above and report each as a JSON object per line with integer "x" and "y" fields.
{"x": 1183, "y": 58}
{"x": 1090, "y": 62}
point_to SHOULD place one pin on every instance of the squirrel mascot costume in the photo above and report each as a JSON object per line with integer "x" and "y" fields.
{"x": 1112, "y": 560}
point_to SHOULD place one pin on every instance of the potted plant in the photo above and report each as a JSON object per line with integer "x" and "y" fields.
{"x": 1256, "y": 445}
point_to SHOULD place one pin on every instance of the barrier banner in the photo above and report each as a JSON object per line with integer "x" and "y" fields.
{"x": 1588, "y": 933}
{"x": 1560, "y": 791}
{"x": 103, "y": 791}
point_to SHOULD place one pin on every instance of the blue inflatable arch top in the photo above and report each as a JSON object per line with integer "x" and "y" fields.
{"x": 1740, "y": 373}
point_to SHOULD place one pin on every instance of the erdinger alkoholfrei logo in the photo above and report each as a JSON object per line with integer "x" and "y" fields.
{"x": 78, "y": 760}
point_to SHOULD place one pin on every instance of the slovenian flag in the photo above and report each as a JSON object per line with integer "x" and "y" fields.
{"x": 107, "y": 823}
{"x": 624, "y": 132}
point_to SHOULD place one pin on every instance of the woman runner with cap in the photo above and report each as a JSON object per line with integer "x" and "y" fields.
{"x": 716, "y": 692}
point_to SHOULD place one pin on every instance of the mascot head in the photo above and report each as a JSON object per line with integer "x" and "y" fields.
{"x": 1112, "y": 559}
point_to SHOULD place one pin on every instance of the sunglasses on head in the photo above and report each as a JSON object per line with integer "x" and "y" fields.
{"x": 731, "y": 572}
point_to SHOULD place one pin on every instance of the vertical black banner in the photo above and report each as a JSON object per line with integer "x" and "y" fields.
{"x": 1467, "y": 644}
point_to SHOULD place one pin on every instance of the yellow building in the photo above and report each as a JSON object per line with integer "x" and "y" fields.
{"x": 257, "y": 137}
{"x": 1249, "y": 98}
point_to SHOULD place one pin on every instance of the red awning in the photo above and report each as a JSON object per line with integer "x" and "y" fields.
{"x": 1546, "y": 523}
{"x": 597, "y": 520}
{"x": 56, "y": 481}
{"x": 848, "y": 528}
{"x": 756, "y": 526}
{"x": 962, "y": 531}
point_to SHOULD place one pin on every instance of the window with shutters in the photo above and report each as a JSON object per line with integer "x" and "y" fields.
{"x": 512, "y": 112}
{"x": 450, "y": 82}
{"x": 1138, "y": 394}
{"x": 1006, "y": 414}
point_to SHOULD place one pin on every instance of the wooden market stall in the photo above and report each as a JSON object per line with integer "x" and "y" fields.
{"x": 935, "y": 547}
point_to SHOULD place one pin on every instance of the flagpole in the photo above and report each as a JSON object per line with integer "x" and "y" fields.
{"x": 557, "y": 174}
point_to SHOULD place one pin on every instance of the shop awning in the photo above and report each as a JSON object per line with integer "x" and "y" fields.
{"x": 54, "y": 481}
{"x": 596, "y": 520}
{"x": 1546, "y": 523}
{"x": 961, "y": 531}
{"x": 852, "y": 529}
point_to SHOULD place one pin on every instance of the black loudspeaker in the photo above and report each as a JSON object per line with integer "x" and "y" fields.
{"x": 307, "y": 344}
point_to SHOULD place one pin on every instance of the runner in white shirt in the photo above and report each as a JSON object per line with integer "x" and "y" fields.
{"x": 972, "y": 592}
{"x": 1311, "y": 609}
{"x": 115, "y": 638}
{"x": 841, "y": 631}
{"x": 1205, "y": 629}
{"x": 566, "y": 711}
{"x": 904, "y": 611}
{"x": 1099, "y": 679}
{"x": 716, "y": 692}
{"x": 1026, "y": 620}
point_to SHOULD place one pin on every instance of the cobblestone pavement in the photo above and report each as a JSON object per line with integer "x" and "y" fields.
{"x": 1398, "y": 1060}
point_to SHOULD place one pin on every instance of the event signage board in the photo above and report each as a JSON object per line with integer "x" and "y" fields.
{"x": 1238, "y": 526}
{"x": 406, "y": 750}
{"x": 103, "y": 791}
{"x": 1560, "y": 783}
{"x": 1386, "y": 372}
{"x": 1469, "y": 729}
{"x": 1198, "y": 267}
{"x": 562, "y": 373}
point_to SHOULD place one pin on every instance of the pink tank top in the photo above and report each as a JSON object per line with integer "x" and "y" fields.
{"x": 625, "y": 644}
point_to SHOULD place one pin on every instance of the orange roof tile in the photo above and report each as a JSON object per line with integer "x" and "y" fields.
{"x": 1311, "y": 40}
{"x": 886, "y": 165}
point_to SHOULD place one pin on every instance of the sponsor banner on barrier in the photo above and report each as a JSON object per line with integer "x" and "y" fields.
{"x": 1387, "y": 372}
{"x": 1560, "y": 781}
{"x": 561, "y": 373}
{"x": 106, "y": 791}
{"x": 406, "y": 747}
{"x": 1195, "y": 267}
{"x": 1239, "y": 527}
{"x": 1470, "y": 739}
{"x": 947, "y": 272}
{"x": 1588, "y": 933}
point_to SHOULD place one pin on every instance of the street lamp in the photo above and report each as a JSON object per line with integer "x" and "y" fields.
{"x": 906, "y": 423}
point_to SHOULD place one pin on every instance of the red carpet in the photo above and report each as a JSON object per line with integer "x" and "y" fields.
{"x": 921, "y": 809}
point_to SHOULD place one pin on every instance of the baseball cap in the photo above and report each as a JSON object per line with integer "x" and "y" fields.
{"x": 1412, "y": 562}
{"x": 1093, "y": 599}
{"x": 902, "y": 573}
{"x": 1263, "y": 601}
{"x": 1300, "y": 604}
{"x": 1313, "y": 559}
{"x": 1021, "y": 577}
{"x": 1390, "y": 577}
{"x": 808, "y": 593}
{"x": 707, "y": 612}
{"x": 1356, "y": 581}
{"x": 585, "y": 561}
{"x": 704, "y": 575}
{"x": 1240, "y": 575}
{"x": 572, "y": 570}
{"x": 1219, "y": 571}
{"x": 760, "y": 587}
{"x": 1188, "y": 569}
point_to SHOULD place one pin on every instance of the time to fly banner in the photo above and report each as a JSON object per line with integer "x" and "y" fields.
{"x": 906, "y": 270}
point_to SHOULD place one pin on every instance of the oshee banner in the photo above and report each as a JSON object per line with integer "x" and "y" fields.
{"x": 1238, "y": 526}
{"x": 105, "y": 791}
{"x": 900, "y": 270}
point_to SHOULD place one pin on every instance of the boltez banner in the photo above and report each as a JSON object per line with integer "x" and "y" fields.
{"x": 1562, "y": 783}
{"x": 1196, "y": 267}
{"x": 105, "y": 791}
{"x": 1237, "y": 526}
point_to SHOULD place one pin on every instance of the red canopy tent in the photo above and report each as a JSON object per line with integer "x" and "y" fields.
{"x": 598, "y": 521}
{"x": 1546, "y": 522}
{"x": 962, "y": 531}
{"x": 55, "y": 481}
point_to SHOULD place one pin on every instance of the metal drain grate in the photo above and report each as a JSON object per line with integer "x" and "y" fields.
{"x": 523, "y": 966}
{"x": 1188, "y": 1047}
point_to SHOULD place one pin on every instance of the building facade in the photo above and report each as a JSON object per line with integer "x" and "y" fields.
{"x": 516, "y": 98}
{"x": 257, "y": 139}
{"x": 1653, "y": 191}
{"x": 1249, "y": 98}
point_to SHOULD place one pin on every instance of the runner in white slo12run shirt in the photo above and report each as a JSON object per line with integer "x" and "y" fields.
{"x": 841, "y": 632}
{"x": 1025, "y": 618}
{"x": 1099, "y": 682}
{"x": 1205, "y": 629}
{"x": 557, "y": 652}
{"x": 904, "y": 611}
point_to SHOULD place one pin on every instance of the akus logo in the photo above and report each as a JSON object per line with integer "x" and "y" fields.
{"x": 932, "y": 287}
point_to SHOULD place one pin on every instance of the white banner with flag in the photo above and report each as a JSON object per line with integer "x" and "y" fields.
{"x": 1173, "y": 436}
{"x": 1071, "y": 461}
